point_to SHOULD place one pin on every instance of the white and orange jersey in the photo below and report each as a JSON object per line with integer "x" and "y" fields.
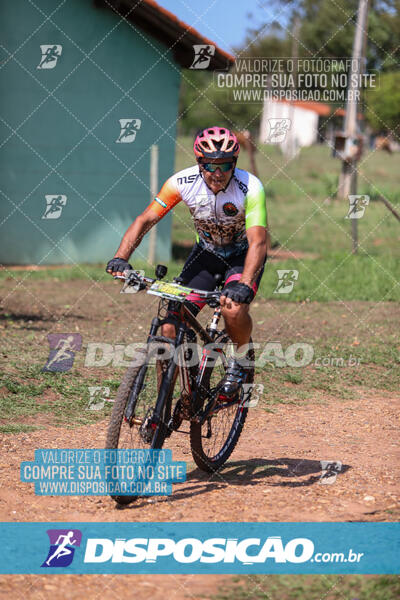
{"x": 221, "y": 220}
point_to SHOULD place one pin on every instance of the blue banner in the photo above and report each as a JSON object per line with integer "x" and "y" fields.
{"x": 200, "y": 548}
{"x": 99, "y": 472}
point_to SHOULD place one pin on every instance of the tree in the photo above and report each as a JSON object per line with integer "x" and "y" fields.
{"x": 202, "y": 104}
{"x": 326, "y": 31}
{"x": 383, "y": 104}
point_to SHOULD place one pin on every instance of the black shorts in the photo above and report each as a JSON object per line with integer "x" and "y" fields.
{"x": 201, "y": 266}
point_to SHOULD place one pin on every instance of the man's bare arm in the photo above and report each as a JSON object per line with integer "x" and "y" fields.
{"x": 257, "y": 238}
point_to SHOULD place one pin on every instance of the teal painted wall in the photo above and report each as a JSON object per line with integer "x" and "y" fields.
{"x": 59, "y": 126}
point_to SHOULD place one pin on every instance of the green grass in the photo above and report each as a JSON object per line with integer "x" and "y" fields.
{"x": 313, "y": 587}
{"x": 337, "y": 277}
{"x": 27, "y": 393}
{"x": 83, "y": 271}
{"x": 303, "y": 217}
{"x": 333, "y": 277}
{"x": 18, "y": 428}
{"x": 301, "y": 214}
{"x": 65, "y": 273}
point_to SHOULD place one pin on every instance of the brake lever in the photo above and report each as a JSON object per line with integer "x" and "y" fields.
{"x": 133, "y": 283}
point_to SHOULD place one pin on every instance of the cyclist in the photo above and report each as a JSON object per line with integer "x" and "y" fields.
{"x": 229, "y": 212}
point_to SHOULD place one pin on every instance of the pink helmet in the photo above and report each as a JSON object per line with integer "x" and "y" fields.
{"x": 216, "y": 142}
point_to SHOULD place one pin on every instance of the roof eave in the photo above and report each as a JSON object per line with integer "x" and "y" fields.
{"x": 165, "y": 27}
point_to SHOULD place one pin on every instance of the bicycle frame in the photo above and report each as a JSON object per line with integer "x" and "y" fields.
{"x": 184, "y": 317}
{"x": 149, "y": 400}
{"x": 184, "y": 322}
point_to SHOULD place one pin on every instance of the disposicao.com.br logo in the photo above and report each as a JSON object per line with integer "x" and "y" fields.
{"x": 62, "y": 547}
{"x": 230, "y": 548}
{"x": 247, "y": 551}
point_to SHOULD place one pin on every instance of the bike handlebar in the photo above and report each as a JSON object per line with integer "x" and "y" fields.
{"x": 134, "y": 278}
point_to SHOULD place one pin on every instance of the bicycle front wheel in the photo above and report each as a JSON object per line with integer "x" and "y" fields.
{"x": 139, "y": 390}
{"x": 213, "y": 441}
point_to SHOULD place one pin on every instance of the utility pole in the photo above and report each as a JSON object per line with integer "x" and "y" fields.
{"x": 291, "y": 143}
{"x": 151, "y": 256}
{"x": 348, "y": 176}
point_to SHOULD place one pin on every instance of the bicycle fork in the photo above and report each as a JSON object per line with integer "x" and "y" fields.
{"x": 167, "y": 378}
{"x": 137, "y": 388}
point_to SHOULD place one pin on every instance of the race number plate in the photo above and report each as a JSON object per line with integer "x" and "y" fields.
{"x": 173, "y": 291}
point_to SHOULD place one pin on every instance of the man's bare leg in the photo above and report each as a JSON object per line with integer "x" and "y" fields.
{"x": 238, "y": 324}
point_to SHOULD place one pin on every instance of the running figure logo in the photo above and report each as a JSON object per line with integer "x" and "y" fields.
{"x": 62, "y": 351}
{"x": 357, "y": 205}
{"x": 278, "y": 129}
{"x": 61, "y": 551}
{"x": 203, "y": 54}
{"x": 129, "y": 127}
{"x": 255, "y": 390}
{"x": 98, "y": 397}
{"x": 287, "y": 279}
{"x": 54, "y": 206}
{"x": 202, "y": 208}
{"x": 330, "y": 470}
{"x": 50, "y": 55}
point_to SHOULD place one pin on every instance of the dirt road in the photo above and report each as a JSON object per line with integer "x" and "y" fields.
{"x": 273, "y": 475}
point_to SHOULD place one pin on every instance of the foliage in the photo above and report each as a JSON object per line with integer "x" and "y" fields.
{"x": 383, "y": 105}
{"x": 202, "y": 105}
{"x": 326, "y": 30}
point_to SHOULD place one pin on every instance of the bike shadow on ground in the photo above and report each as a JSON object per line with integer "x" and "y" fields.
{"x": 292, "y": 472}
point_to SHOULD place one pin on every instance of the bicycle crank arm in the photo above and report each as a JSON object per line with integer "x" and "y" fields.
{"x": 213, "y": 407}
{"x": 202, "y": 415}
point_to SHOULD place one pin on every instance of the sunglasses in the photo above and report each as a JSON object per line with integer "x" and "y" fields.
{"x": 212, "y": 167}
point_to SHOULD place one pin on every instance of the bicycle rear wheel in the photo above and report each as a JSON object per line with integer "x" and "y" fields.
{"x": 140, "y": 387}
{"x": 213, "y": 442}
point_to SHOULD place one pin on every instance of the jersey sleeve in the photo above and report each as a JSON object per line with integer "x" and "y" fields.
{"x": 167, "y": 198}
{"x": 255, "y": 205}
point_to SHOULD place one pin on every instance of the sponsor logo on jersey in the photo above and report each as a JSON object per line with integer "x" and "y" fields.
{"x": 188, "y": 179}
{"x": 230, "y": 209}
{"x": 242, "y": 186}
{"x": 161, "y": 202}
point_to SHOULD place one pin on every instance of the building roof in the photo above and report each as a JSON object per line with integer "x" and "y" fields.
{"x": 323, "y": 110}
{"x": 341, "y": 112}
{"x": 168, "y": 29}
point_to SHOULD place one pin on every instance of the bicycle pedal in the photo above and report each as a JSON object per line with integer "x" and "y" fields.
{"x": 222, "y": 399}
{"x": 224, "y": 402}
